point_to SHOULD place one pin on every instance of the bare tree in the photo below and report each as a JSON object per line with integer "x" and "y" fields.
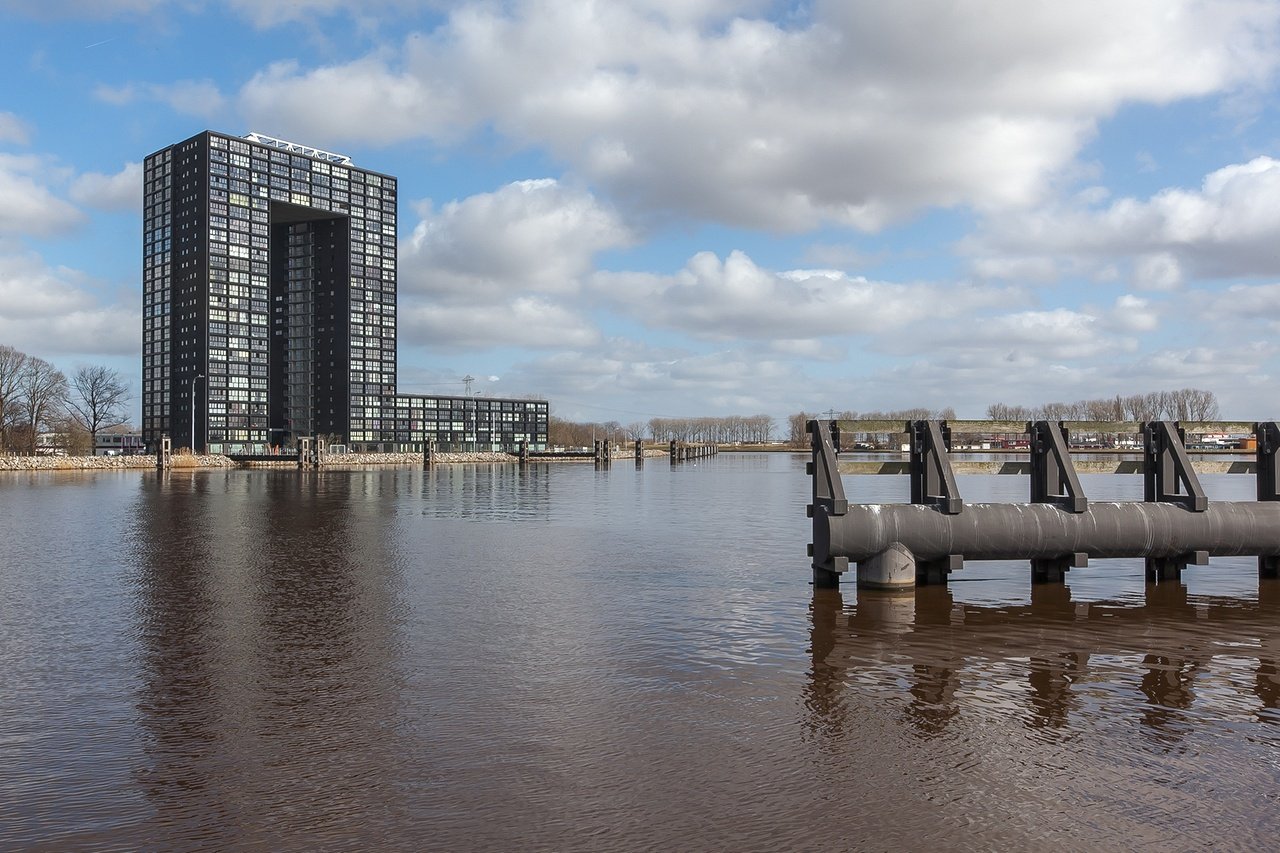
{"x": 44, "y": 393}
{"x": 97, "y": 400}
{"x": 1201, "y": 405}
{"x": 11, "y": 364}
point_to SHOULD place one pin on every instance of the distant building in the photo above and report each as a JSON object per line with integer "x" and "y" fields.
{"x": 269, "y": 308}
{"x": 119, "y": 444}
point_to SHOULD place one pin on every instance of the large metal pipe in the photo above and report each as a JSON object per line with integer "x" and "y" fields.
{"x": 1042, "y": 531}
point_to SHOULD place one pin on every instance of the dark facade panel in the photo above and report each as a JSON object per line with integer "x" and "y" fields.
{"x": 269, "y": 296}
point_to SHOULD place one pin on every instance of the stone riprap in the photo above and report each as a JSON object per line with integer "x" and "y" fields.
{"x": 94, "y": 463}
{"x": 104, "y": 463}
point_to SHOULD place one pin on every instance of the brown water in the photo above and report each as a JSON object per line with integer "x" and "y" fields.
{"x": 479, "y": 658}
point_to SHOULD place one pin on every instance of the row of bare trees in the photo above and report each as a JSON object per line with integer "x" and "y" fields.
{"x": 36, "y": 396}
{"x": 730, "y": 429}
{"x": 1184, "y": 404}
{"x": 798, "y": 424}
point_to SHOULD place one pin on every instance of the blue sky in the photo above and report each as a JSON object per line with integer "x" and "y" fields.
{"x": 703, "y": 207}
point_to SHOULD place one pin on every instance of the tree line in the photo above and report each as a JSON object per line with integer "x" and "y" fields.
{"x": 35, "y": 396}
{"x": 798, "y": 424}
{"x": 1184, "y": 404}
{"x": 729, "y": 429}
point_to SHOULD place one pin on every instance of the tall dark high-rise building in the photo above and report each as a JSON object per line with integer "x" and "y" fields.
{"x": 269, "y": 308}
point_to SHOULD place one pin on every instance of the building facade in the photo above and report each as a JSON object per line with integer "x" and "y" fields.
{"x": 269, "y": 308}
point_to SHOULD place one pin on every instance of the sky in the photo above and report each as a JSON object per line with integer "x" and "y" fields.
{"x": 668, "y": 208}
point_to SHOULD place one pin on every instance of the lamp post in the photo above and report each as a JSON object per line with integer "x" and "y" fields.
{"x": 193, "y": 410}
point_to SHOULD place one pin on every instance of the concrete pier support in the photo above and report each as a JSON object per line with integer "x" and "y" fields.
{"x": 429, "y": 454}
{"x": 892, "y": 568}
{"x": 164, "y": 453}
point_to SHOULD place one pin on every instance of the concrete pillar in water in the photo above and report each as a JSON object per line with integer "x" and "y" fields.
{"x": 892, "y": 568}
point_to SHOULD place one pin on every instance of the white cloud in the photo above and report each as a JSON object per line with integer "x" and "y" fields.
{"x": 121, "y": 191}
{"x": 1133, "y": 314}
{"x": 628, "y": 381}
{"x": 13, "y": 129}
{"x": 29, "y": 207}
{"x": 1159, "y": 271}
{"x": 1225, "y": 228}
{"x": 521, "y": 322}
{"x": 48, "y": 311}
{"x": 858, "y": 113}
{"x": 364, "y": 101}
{"x": 536, "y": 236}
{"x": 716, "y": 299}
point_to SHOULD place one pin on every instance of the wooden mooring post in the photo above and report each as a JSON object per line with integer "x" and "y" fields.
{"x": 681, "y": 452}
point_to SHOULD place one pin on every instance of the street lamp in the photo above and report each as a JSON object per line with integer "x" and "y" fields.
{"x": 193, "y": 410}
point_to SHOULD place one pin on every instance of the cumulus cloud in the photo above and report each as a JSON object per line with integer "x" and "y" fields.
{"x": 505, "y": 268}
{"x": 536, "y": 235}
{"x": 521, "y": 322}
{"x": 631, "y": 381}
{"x": 49, "y": 311}
{"x": 29, "y": 206}
{"x": 121, "y": 191}
{"x": 1134, "y": 314}
{"x": 717, "y": 299}
{"x": 1225, "y": 228}
{"x": 1024, "y": 337}
{"x": 857, "y": 113}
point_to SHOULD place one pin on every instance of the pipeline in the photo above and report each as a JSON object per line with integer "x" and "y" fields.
{"x": 900, "y": 545}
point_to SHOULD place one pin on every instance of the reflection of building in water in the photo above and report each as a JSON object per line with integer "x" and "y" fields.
{"x": 940, "y": 656}
{"x": 266, "y": 624}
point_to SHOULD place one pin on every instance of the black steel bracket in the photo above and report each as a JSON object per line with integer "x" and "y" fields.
{"x": 1167, "y": 469}
{"x": 828, "y": 489}
{"x": 1053, "y": 476}
{"x": 1268, "y": 478}
{"x": 1052, "y": 569}
{"x": 828, "y": 499}
{"x": 1170, "y": 568}
{"x": 930, "y": 572}
{"x": 932, "y": 481}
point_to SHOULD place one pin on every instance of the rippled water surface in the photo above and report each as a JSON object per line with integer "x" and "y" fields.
{"x": 561, "y": 658}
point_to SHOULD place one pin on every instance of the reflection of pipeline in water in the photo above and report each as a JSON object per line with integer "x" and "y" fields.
{"x": 933, "y": 639}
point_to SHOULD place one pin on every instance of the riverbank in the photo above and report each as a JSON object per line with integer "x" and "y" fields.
{"x": 345, "y": 460}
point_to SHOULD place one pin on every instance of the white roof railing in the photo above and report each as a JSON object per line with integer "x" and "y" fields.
{"x": 295, "y": 148}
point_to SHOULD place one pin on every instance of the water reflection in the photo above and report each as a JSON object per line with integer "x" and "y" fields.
{"x": 1171, "y": 664}
{"x": 487, "y": 492}
{"x": 266, "y": 627}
